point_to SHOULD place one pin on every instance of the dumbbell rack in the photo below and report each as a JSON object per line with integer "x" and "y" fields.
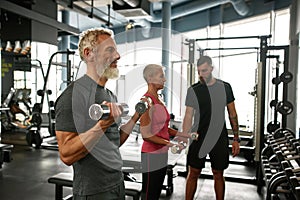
{"x": 280, "y": 163}
{"x": 284, "y": 107}
{"x": 275, "y": 124}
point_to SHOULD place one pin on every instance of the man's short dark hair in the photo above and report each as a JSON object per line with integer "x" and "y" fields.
{"x": 204, "y": 59}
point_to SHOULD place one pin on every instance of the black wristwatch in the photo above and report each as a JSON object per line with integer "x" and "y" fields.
{"x": 237, "y": 139}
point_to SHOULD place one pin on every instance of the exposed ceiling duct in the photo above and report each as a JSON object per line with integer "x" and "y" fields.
{"x": 119, "y": 2}
{"x": 133, "y": 8}
{"x": 132, "y": 3}
{"x": 189, "y": 8}
{"x": 145, "y": 24}
{"x": 196, "y": 6}
{"x": 141, "y": 11}
{"x": 240, "y": 7}
{"x": 80, "y": 7}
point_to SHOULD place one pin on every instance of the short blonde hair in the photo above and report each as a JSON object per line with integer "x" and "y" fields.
{"x": 88, "y": 38}
{"x": 150, "y": 70}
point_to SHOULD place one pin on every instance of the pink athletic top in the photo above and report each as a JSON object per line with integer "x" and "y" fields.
{"x": 159, "y": 127}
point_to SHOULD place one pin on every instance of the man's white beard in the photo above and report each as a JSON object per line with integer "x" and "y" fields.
{"x": 111, "y": 73}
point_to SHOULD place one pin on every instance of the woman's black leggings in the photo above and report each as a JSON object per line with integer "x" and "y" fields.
{"x": 154, "y": 168}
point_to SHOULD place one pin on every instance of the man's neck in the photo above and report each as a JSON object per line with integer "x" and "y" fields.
{"x": 102, "y": 81}
{"x": 211, "y": 82}
{"x": 99, "y": 80}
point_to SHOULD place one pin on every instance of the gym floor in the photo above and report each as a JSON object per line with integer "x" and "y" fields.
{"x": 25, "y": 177}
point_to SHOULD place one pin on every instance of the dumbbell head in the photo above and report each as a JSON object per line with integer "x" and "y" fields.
{"x": 294, "y": 181}
{"x": 97, "y": 112}
{"x": 273, "y": 103}
{"x": 40, "y": 92}
{"x": 285, "y": 164}
{"x": 272, "y": 126}
{"x": 284, "y": 107}
{"x": 141, "y": 107}
{"x": 175, "y": 149}
{"x": 286, "y": 77}
{"x": 194, "y": 136}
{"x": 298, "y": 149}
{"x": 289, "y": 172}
{"x": 280, "y": 133}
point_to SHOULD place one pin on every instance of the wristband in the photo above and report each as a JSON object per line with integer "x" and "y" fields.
{"x": 236, "y": 133}
{"x": 237, "y": 139}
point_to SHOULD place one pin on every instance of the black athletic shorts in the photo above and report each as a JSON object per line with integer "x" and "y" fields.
{"x": 219, "y": 155}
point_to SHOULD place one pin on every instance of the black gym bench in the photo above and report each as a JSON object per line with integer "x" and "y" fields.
{"x": 65, "y": 179}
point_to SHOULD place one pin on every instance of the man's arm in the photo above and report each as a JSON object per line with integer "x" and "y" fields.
{"x": 233, "y": 118}
{"x": 127, "y": 128}
{"x": 188, "y": 119}
{"x": 74, "y": 146}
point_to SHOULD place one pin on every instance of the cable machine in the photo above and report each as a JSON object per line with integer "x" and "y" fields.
{"x": 39, "y": 118}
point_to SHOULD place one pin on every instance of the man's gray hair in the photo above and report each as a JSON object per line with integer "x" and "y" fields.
{"x": 88, "y": 38}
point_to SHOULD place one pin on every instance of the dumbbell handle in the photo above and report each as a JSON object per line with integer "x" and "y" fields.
{"x": 281, "y": 156}
{"x": 271, "y": 138}
{"x": 294, "y": 157}
{"x": 97, "y": 111}
{"x": 296, "y": 170}
{"x": 279, "y": 142}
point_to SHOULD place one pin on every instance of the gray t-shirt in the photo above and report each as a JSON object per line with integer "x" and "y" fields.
{"x": 100, "y": 170}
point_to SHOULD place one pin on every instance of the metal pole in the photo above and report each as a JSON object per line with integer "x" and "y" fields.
{"x": 261, "y": 107}
{"x": 166, "y": 35}
{"x": 65, "y": 44}
{"x": 233, "y": 38}
{"x": 285, "y": 85}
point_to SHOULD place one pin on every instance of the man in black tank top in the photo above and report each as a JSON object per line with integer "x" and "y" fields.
{"x": 205, "y": 114}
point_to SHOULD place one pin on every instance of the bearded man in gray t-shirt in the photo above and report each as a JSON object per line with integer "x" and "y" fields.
{"x": 92, "y": 147}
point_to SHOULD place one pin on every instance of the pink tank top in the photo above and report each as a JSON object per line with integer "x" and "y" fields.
{"x": 159, "y": 126}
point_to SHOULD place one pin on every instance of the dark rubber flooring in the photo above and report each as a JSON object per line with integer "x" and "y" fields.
{"x": 25, "y": 178}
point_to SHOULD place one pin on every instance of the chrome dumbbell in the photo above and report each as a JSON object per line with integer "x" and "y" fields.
{"x": 143, "y": 105}
{"x": 97, "y": 111}
{"x": 175, "y": 149}
{"x": 194, "y": 136}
